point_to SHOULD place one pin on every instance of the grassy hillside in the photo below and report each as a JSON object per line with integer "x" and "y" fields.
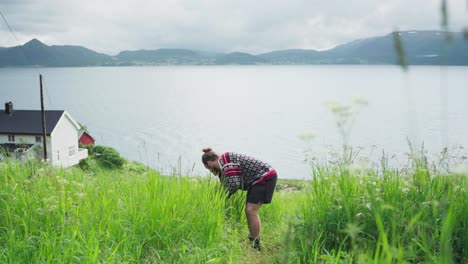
{"x": 135, "y": 215}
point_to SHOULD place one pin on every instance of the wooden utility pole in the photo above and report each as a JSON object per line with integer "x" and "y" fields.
{"x": 44, "y": 136}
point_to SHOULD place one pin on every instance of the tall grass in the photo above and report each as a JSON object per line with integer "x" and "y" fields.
{"x": 135, "y": 215}
{"x": 70, "y": 216}
{"x": 409, "y": 216}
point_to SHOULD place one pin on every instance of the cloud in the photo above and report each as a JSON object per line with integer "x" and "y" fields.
{"x": 249, "y": 26}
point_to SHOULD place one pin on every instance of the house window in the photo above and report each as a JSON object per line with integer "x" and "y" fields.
{"x": 38, "y": 139}
{"x": 11, "y": 138}
{"x": 71, "y": 151}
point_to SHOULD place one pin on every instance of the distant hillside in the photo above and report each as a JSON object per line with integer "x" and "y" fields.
{"x": 293, "y": 56}
{"x": 162, "y": 56}
{"x": 240, "y": 58}
{"x": 37, "y": 53}
{"x": 421, "y": 48}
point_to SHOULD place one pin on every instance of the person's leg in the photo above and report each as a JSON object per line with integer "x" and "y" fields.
{"x": 257, "y": 195}
{"x": 254, "y": 224}
{"x": 253, "y": 219}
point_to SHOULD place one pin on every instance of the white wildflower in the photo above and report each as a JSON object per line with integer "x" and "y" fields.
{"x": 360, "y": 101}
{"x": 80, "y": 195}
{"x": 121, "y": 203}
{"x": 63, "y": 181}
{"x": 333, "y": 105}
{"x": 357, "y": 168}
{"x": 193, "y": 179}
{"x": 368, "y": 205}
{"x": 359, "y": 214}
{"x": 77, "y": 184}
{"x": 51, "y": 199}
{"x": 405, "y": 181}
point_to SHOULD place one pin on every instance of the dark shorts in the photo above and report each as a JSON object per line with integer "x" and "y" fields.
{"x": 262, "y": 192}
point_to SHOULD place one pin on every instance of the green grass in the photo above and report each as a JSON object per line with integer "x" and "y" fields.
{"x": 55, "y": 215}
{"x": 135, "y": 215}
{"x": 411, "y": 217}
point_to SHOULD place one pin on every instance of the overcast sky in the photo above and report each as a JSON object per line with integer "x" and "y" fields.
{"x": 253, "y": 26}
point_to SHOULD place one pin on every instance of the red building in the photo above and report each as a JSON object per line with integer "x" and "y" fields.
{"x": 86, "y": 139}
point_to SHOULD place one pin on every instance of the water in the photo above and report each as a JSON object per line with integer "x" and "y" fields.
{"x": 164, "y": 116}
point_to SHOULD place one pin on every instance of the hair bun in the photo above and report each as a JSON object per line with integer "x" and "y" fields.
{"x": 207, "y": 150}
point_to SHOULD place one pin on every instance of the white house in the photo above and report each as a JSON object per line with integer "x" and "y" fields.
{"x": 21, "y": 136}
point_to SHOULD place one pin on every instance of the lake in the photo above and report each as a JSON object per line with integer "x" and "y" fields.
{"x": 163, "y": 116}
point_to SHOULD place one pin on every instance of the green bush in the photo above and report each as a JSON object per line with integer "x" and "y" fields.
{"x": 109, "y": 157}
{"x": 100, "y": 149}
{"x": 101, "y": 156}
{"x": 84, "y": 164}
{"x": 135, "y": 167}
{"x": 89, "y": 147}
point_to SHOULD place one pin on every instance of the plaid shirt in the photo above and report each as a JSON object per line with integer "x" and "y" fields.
{"x": 241, "y": 171}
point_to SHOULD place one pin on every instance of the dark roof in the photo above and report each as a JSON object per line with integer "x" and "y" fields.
{"x": 28, "y": 122}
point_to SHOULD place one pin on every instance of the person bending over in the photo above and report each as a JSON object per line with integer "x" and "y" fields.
{"x": 239, "y": 171}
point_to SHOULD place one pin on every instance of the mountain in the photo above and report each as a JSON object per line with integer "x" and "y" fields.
{"x": 35, "y": 52}
{"x": 162, "y": 56}
{"x": 240, "y": 58}
{"x": 292, "y": 56}
{"x": 420, "y": 47}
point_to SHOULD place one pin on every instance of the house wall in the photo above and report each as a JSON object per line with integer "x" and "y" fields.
{"x": 86, "y": 140}
{"x": 65, "y": 151}
{"x": 26, "y": 139}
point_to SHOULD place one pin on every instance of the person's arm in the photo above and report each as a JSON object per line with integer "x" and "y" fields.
{"x": 231, "y": 173}
{"x": 232, "y": 183}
